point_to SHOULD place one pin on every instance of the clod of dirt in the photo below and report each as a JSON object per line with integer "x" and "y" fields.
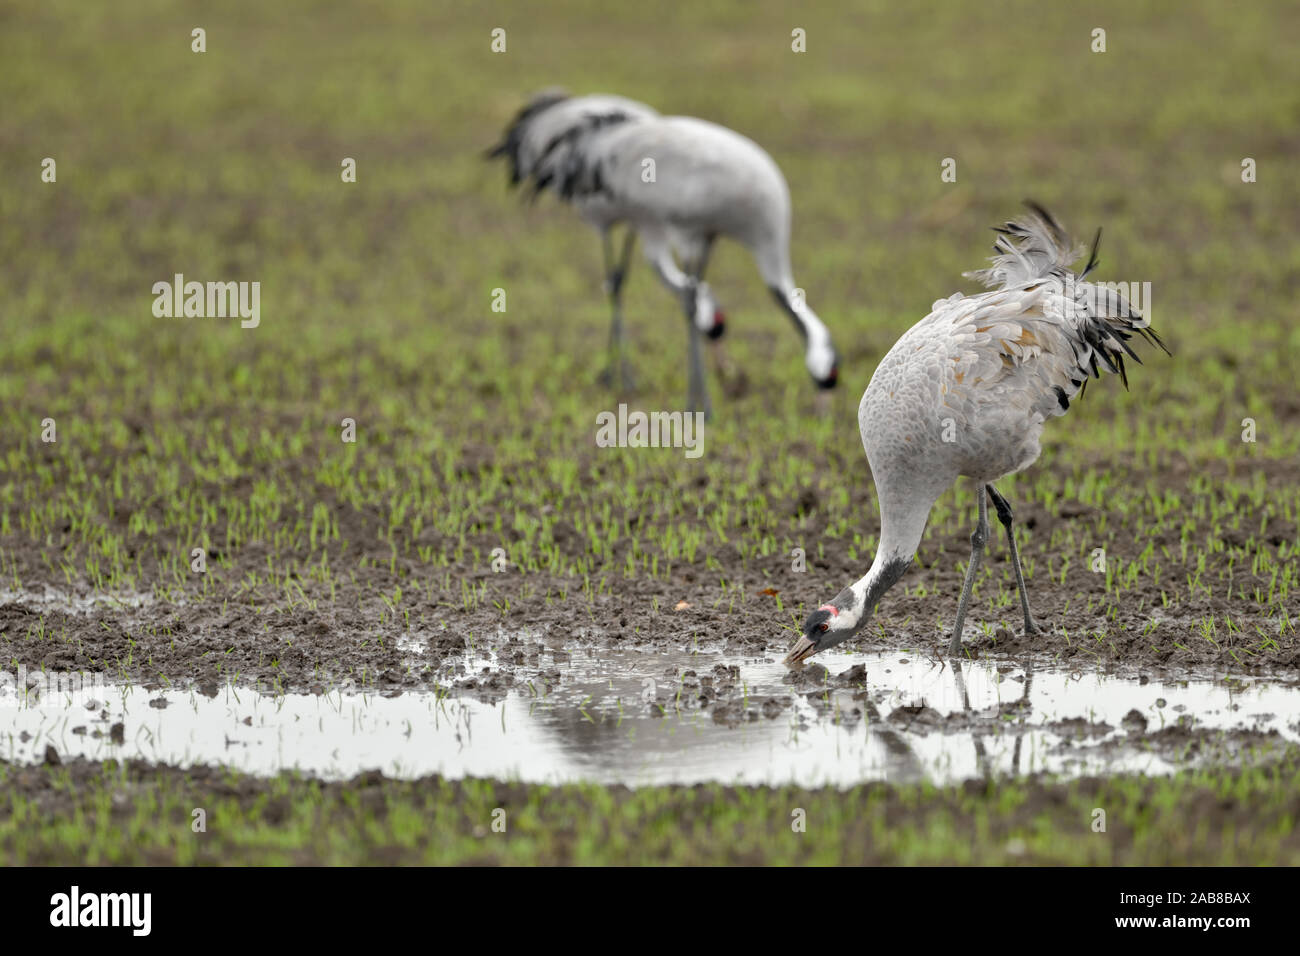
{"x": 732, "y": 713}
{"x": 726, "y": 673}
{"x": 854, "y": 676}
{"x": 117, "y": 733}
{"x": 370, "y": 778}
{"x": 1078, "y": 728}
{"x": 805, "y": 504}
{"x": 810, "y": 675}
{"x": 51, "y": 756}
{"x": 1134, "y": 722}
{"x": 917, "y": 718}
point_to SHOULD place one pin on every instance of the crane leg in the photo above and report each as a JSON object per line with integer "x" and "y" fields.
{"x": 659, "y": 252}
{"x": 979, "y": 537}
{"x": 1024, "y": 700}
{"x": 699, "y": 396}
{"x": 617, "y": 373}
{"x": 732, "y": 377}
{"x": 1004, "y": 515}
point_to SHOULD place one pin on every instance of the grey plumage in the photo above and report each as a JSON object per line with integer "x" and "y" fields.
{"x": 549, "y": 140}
{"x": 966, "y": 391}
{"x": 1035, "y": 248}
{"x": 678, "y": 184}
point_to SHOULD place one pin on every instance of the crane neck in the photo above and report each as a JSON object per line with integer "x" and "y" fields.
{"x": 812, "y": 329}
{"x": 901, "y": 526}
{"x": 868, "y": 590}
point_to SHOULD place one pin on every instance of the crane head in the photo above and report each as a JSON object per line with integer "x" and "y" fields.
{"x": 826, "y": 627}
{"x": 709, "y": 317}
{"x": 823, "y": 365}
{"x": 719, "y": 324}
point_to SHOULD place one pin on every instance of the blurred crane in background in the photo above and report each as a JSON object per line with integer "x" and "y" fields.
{"x": 678, "y": 183}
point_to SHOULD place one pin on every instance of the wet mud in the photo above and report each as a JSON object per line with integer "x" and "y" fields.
{"x": 540, "y": 638}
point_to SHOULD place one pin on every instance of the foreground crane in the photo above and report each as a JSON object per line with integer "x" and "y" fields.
{"x": 965, "y": 392}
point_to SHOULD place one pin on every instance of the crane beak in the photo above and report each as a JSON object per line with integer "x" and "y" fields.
{"x": 803, "y": 650}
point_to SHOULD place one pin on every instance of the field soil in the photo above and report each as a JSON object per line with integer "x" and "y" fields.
{"x": 343, "y": 641}
{"x": 465, "y": 532}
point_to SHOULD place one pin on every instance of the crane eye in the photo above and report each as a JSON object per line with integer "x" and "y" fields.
{"x": 826, "y": 625}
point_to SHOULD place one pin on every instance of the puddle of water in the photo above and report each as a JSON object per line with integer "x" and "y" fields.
{"x": 55, "y": 600}
{"x": 631, "y": 717}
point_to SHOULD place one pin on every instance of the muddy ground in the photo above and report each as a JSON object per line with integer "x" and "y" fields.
{"x": 488, "y": 654}
{"x": 474, "y": 424}
{"x": 342, "y": 641}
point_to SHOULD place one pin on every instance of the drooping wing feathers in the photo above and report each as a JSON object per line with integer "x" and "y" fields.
{"x": 1032, "y": 247}
{"x": 511, "y": 143}
{"x": 1033, "y": 255}
{"x": 1008, "y": 354}
{"x": 552, "y": 141}
{"x": 1092, "y": 256}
